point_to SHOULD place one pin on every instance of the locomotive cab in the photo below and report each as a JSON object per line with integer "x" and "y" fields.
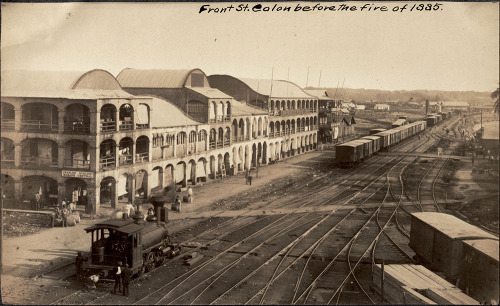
{"x": 142, "y": 245}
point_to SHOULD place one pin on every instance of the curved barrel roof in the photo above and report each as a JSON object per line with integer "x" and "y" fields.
{"x": 277, "y": 88}
{"x": 154, "y": 78}
{"x": 92, "y": 84}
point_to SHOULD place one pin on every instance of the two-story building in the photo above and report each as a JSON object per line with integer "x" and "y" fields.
{"x": 293, "y": 114}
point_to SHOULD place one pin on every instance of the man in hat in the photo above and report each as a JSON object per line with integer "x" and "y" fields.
{"x": 126, "y": 279}
{"x": 117, "y": 274}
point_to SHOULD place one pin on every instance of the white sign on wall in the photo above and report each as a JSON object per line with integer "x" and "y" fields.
{"x": 78, "y": 174}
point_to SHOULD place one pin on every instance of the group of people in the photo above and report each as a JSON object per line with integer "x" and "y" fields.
{"x": 64, "y": 211}
{"x": 122, "y": 276}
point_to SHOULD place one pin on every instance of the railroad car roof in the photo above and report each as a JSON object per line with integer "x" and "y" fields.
{"x": 488, "y": 247}
{"x": 372, "y": 137}
{"x": 452, "y": 226}
{"x": 125, "y": 226}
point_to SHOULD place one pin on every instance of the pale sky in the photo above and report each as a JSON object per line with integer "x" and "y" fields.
{"x": 453, "y": 48}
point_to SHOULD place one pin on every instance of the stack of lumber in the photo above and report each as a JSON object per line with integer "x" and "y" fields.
{"x": 191, "y": 259}
{"x": 414, "y": 284}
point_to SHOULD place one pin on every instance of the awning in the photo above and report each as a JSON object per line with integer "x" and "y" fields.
{"x": 142, "y": 116}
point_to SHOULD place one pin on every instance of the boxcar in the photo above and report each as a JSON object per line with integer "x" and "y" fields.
{"x": 431, "y": 120}
{"x": 479, "y": 270}
{"x": 367, "y": 147}
{"x": 438, "y": 239}
{"x": 376, "y": 142}
{"x": 375, "y": 131}
{"x": 346, "y": 154}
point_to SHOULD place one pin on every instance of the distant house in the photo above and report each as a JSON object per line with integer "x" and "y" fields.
{"x": 349, "y": 105}
{"x": 381, "y": 107}
{"x": 448, "y": 105}
{"x": 360, "y": 107}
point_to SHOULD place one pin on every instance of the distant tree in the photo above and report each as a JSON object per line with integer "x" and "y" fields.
{"x": 494, "y": 95}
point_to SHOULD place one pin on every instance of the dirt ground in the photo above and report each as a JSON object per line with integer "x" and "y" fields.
{"x": 26, "y": 258}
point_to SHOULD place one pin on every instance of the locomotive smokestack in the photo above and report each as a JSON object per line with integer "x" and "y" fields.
{"x": 426, "y": 107}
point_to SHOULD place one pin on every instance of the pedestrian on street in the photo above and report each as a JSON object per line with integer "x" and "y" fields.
{"x": 250, "y": 180}
{"x": 178, "y": 202}
{"x": 79, "y": 266}
{"x": 117, "y": 274}
{"x": 126, "y": 279}
{"x": 64, "y": 214}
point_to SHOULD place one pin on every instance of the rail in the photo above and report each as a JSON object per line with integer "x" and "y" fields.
{"x": 141, "y": 157}
{"x": 108, "y": 126}
{"x": 77, "y": 163}
{"x": 107, "y": 162}
{"x": 77, "y": 127}
{"x": 39, "y": 125}
{"x": 39, "y": 161}
{"x": 126, "y": 125}
{"x": 8, "y": 124}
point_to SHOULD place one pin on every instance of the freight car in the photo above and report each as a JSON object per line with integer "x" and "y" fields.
{"x": 141, "y": 244}
{"x": 356, "y": 151}
{"x": 375, "y": 131}
{"x": 479, "y": 270}
{"x": 438, "y": 240}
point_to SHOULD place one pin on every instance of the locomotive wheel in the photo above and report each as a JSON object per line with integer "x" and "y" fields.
{"x": 150, "y": 261}
{"x": 160, "y": 260}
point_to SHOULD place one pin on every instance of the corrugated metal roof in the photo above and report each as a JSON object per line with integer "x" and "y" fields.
{"x": 486, "y": 246}
{"x": 211, "y": 93}
{"x": 153, "y": 78}
{"x": 280, "y": 89}
{"x": 399, "y": 121}
{"x": 318, "y": 93}
{"x": 59, "y": 84}
{"x": 167, "y": 114}
{"x": 243, "y": 109}
{"x": 452, "y": 226}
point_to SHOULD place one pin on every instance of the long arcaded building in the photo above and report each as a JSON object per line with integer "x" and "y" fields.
{"x": 102, "y": 141}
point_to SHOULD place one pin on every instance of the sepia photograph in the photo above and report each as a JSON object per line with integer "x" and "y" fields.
{"x": 230, "y": 153}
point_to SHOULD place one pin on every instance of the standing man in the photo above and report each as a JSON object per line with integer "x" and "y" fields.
{"x": 178, "y": 203}
{"x": 64, "y": 214}
{"x": 247, "y": 174}
{"x": 79, "y": 265}
{"x": 126, "y": 279}
{"x": 117, "y": 274}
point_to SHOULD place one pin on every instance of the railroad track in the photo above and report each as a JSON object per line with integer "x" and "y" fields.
{"x": 344, "y": 192}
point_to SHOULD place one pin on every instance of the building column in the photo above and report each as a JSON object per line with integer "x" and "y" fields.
{"x": 131, "y": 188}
{"x": 60, "y": 156}
{"x": 133, "y": 152}
{"x": 150, "y": 150}
{"x": 17, "y": 154}
{"x": 117, "y": 156}
{"x": 18, "y": 189}
{"x": 17, "y": 119}
{"x": 117, "y": 119}
{"x": 95, "y": 122}
{"x": 61, "y": 193}
{"x": 60, "y": 120}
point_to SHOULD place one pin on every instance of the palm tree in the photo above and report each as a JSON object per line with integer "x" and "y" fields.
{"x": 494, "y": 95}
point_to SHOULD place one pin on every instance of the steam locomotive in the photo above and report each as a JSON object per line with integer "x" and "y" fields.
{"x": 140, "y": 243}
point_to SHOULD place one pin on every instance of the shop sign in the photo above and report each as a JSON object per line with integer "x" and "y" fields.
{"x": 78, "y": 174}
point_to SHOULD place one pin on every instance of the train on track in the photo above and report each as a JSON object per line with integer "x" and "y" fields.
{"x": 467, "y": 255}
{"x": 140, "y": 243}
{"x": 356, "y": 151}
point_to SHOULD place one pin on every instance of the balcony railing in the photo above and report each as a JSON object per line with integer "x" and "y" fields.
{"x": 226, "y": 141}
{"x": 212, "y": 120}
{"x": 39, "y": 161}
{"x": 290, "y": 112}
{"x": 39, "y": 125}
{"x": 219, "y": 144}
{"x": 7, "y": 161}
{"x": 126, "y": 125}
{"x": 107, "y": 162}
{"x": 125, "y": 159}
{"x": 226, "y": 118}
{"x": 241, "y": 138}
{"x": 211, "y": 145}
{"x": 77, "y": 163}
{"x": 271, "y": 135}
{"x": 108, "y": 126}
{"x": 77, "y": 127}
{"x": 141, "y": 157}
{"x": 8, "y": 124}
{"x": 142, "y": 126}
